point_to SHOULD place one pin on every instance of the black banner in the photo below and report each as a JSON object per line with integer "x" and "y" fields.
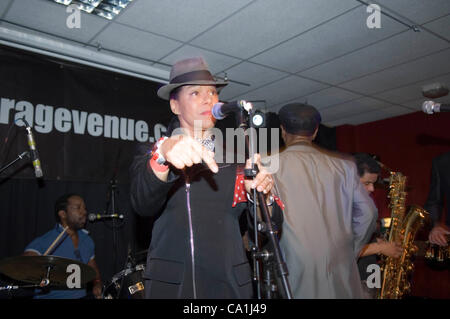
{"x": 86, "y": 122}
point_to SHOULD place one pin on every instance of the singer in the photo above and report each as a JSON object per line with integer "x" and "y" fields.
{"x": 196, "y": 249}
{"x": 70, "y": 212}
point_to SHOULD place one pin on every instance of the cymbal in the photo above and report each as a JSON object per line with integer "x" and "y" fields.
{"x": 33, "y": 269}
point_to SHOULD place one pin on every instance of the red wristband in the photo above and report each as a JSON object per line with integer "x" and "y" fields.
{"x": 158, "y": 167}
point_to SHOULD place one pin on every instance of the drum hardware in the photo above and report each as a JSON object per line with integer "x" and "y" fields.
{"x": 43, "y": 271}
{"x": 126, "y": 284}
{"x": 135, "y": 288}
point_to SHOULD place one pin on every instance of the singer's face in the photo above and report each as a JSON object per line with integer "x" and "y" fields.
{"x": 194, "y": 103}
{"x": 76, "y": 213}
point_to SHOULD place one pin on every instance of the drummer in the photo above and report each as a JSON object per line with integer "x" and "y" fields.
{"x": 75, "y": 243}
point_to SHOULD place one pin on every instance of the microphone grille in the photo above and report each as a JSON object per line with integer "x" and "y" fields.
{"x": 216, "y": 112}
{"x": 427, "y": 107}
{"x": 92, "y": 217}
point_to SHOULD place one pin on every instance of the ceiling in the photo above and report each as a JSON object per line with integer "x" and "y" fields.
{"x": 272, "y": 51}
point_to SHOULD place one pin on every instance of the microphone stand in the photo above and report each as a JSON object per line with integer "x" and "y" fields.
{"x": 111, "y": 201}
{"x": 113, "y": 187}
{"x": 272, "y": 260}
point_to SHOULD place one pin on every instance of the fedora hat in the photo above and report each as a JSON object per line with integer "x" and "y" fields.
{"x": 192, "y": 71}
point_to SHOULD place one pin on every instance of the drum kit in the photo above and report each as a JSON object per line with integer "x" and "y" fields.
{"x": 126, "y": 284}
{"x": 32, "y": 272}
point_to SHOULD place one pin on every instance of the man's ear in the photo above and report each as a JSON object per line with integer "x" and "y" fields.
{"x": 283, "y": 133}
{"x": 62, "y": 214}
{"x": 315, "y": 132}
{"x": 174, "y": 106}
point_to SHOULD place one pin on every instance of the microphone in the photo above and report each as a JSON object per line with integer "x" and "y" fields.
{"x": 95, "y": 217}
{"x": 34, "y": 153}
{"x": 431, "y": 107}
{"x": 222, "y": 110}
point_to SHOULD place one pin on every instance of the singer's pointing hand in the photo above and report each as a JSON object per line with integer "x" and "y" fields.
{"x": 263, "y": 181}
{"x": 183, "y": 150}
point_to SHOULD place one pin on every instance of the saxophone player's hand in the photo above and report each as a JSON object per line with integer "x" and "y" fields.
{"x": 390, "y": 249}
{"x": 438, "y": 235}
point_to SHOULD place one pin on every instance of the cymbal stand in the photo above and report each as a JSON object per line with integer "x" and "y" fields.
{"x": 46, "y": 280}
{"x": 16, "y": 287}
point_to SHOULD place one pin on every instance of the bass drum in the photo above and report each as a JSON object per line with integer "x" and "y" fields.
{"x": 127, "y": 284}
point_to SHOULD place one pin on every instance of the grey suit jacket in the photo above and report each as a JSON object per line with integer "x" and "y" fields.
{"x": 328, "y": 217}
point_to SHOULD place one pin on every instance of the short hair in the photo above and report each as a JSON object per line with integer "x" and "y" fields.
{"x": 299, "y": 118}
{"x": 366, "y": 163}
{"x": 175, "y": 93}
{"x": 61, "y": 204}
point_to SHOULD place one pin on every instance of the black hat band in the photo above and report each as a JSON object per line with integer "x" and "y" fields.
{"x": 193, "y": 76}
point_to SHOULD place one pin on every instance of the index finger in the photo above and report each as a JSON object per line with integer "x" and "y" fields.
{"x": 210, "y": 161}
{"x": 206, "y": 155}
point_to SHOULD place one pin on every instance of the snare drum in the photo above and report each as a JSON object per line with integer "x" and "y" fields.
{"x": 127, "y": 284}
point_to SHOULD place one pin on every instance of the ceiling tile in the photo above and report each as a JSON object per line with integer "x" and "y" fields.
{"x": 322, "y": 99}
{"x": 413, "y": 91}
{"x": 141, "y": 44}
{"x": 418, "y": 11}
{"x": 397, "y": 49}
{"x": 430, "y": 66}
{"x": 217, "y": 62}
{"x": 330, "y": 96}
{"x": 248, "y": 73}
{"x": 282, "y": 90}
{"x": 232, "y": 90}
{"x": 352, "y": 108}
{"x": 330, "y": 40}
{"x": 265, "y": 23}
{"x": 51, "y": 17}
{"x": 254, "y": 74}
{"x": 3, "y": 6}
{"x": 440, "y": 26}
{"x": 178, "y": 19}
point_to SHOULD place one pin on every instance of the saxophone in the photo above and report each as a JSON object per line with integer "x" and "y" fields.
{"x": 403, "y": 228}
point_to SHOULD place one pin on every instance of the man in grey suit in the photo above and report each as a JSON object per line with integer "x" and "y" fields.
{"x": 329, "y": 215}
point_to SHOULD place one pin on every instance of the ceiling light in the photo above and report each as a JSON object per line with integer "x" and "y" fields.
{"x": 64, "y": 2}
{"x": 107, "y": 9}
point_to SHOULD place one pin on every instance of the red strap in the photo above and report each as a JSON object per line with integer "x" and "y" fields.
{"x": 279, "y": 202}
{"x": 240, "y": 195}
